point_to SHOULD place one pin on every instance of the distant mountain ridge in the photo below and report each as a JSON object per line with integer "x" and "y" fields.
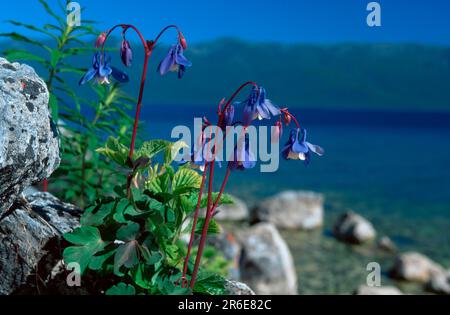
{"x": 355, "y": 76}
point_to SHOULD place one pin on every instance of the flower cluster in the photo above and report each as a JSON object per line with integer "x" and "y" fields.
{"x": 101, "y": 70}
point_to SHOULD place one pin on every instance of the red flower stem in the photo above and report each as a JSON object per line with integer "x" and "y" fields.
{"x": 210, "y": 208}
{"x": 205, "y": 226}
{"x": 139, "y": 103}
{"x": 194, "y": 223}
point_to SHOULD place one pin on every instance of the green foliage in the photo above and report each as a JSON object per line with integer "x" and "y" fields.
{"x": 81, "y": 119}
{"x": 135, "y": 233}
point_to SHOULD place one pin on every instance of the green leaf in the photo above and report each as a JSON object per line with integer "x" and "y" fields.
{"x": 213, "y": 227}
{"x": 173, "y": 150}
{"x": 141, "y": 276}
{"x": 121, "y": 209}
{"x": 47, "y": 8}
{"x": 20, "y": 38}
{"x": 121, "y": 289}
{"x": 159, "y": 184}
{"x": 54, "y": 59}
{"x": 150, "y": 148}
{"x": 53, "y": 104}
{"x": 185, "y": 179}
{"x": 115, "y": 151}
{"x": 210, "y": 283}
{"x": 126, "y": 255}
{"x": 128, "y": 232}
{"x": 34, "y": 28}
{"x": 17, "y": 54}
{"x": 225, "y": 199}
{"x": 95, "y": 215}
{"x": 88, "y": 241}
{"x": 97, "y": 261}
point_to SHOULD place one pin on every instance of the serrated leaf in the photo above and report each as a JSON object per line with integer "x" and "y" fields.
{"x": 88, "y": 242}
{"x": 213, "y": 227}
{"x": 150, "y": 148}
{"x": 173, "y": 150}
{"x": 121, "y": 289}
{"x": 210, "y": 283}
{"x": 225, "y": 199}
{"x": 185, "y": 179}
{"x": 116, "y": 151}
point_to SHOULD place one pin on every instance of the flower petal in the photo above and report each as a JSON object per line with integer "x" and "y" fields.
{"x": 88, "y": 76}
{"x": 315, "y": 148}
{"x": 167, "y": 63}
{"x": 120, "y": 76}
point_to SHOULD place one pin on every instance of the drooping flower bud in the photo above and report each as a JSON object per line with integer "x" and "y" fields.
{"x": 100, "y": 40}
{"x": 126, "y": 54}
{"x": 182, "y": 40}
{"x": 287, "y": 119}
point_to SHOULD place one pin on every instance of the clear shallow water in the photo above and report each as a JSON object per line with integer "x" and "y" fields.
{"x": 393, "y": 168}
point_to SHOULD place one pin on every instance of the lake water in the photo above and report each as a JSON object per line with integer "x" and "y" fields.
{"x": 391, "y": 167}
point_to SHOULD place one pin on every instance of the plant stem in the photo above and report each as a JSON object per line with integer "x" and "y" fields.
{"x": 194, "y": 223}
{"x": 209, "y": 214}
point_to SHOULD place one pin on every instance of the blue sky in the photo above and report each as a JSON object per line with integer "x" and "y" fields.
{"x": 319, "y": 21}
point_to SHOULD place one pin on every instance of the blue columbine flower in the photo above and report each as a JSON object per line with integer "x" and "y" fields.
{"x": 243, "y": 157}
{"x": 300, "y": 149}
{"x": 228, "y": 116}
{"x": 197, "y": 156}
{"x": 101, "y": 71}
{"x": 174, "y": 61}
{"x": 258, "y": 106}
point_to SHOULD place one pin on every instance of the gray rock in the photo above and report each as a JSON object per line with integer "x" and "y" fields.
{"x": 353, "y": 228}
{"x": 266, "y": 263}
{"x": 387, "y": 245}
{"x": 439, "y": 283}
{"x": 416, "y": 267}
{"x": 383, "y": 290}
{"x": 291, "y": 210}
{"x": 31, "y": 232}
{"x": 29, "y": 144}
{"x": 237, "y": 288}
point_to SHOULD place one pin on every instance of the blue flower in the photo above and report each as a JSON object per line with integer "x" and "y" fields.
{"x": 243, "y": 158}
{"x": 228, "y": 116}
{"x": 197, "y": 156}
{"x": 300, "y": 149}
{"x": 258, "y": 106}
{"x": 174, "y": 61}
{"x": 101, "y": 71}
